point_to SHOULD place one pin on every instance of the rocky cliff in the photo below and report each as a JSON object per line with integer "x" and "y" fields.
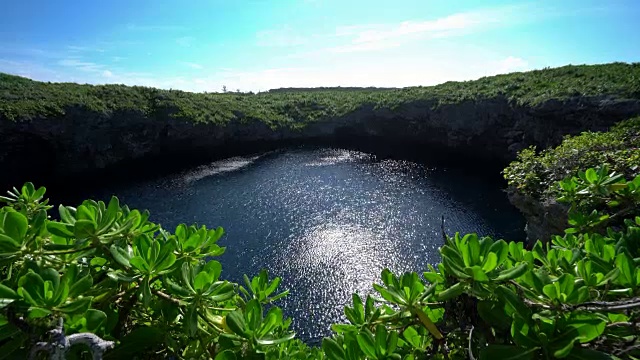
{"x": 82, "y": 141}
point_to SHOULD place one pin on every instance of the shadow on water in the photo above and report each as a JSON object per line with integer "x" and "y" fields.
{"x": 326, "y": 220}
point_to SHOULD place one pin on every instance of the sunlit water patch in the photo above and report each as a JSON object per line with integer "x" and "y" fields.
{"x": 327, "y": 221}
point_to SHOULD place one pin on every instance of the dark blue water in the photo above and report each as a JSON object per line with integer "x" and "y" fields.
{"x": 327, "y": 221}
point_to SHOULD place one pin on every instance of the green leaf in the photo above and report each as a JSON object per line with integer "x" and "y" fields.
{"x": 490, "y": 262}
{"x": 202, "y": 281}
{"x": 270, "y": 340}
{"x": 8, "y": 293}
{"x": 119, "y": 276}
{"x": 235, "y": 321}
{"x": 453, "y": 291}
{"x": 95, "y": 319}
{"x": 591, "y": 175}
{"x": 78, "y": 306}
{"x": 513, "y": 301}
{"x": 273, "y": 318}
{"x": 38, "y": 312}
{"x": 98, "y": 261}
{"x": 226, "y": 355}
{"x": 113, "y": 208}
{"x": 15, "y": 226}
{"x": 512, "y": 273}
{"x": 84, "y": 228}
{"x": 59, "y": 229}
{"x": 627, "y": 269}
{"x": 332, "y": 349}
{"x": 80, "y": 286}
{"x": 433, "y": 277}
{"x": 588, "y": 326}
{"x": 366, "y": 343}
{"x": 410, "y": 334}
{"x": 381, "y": 339}
{"x": 477, "y": 273}
{"x": 390, "y": 295}
{"x": 191, "y": 320}
{"x": 65, "y": 215}
{"x": 564, "y": 343}
{"x": 551, "y": 291}
{"x": 9, "y": 245}
{"x": 146, "y": 291}
{"x": 120, "y": 255}
{"x": 139, "y": 263}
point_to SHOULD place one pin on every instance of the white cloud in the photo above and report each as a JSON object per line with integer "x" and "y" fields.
{"x": 107, "y": 74}
{"x": 512, "y": 64}
{"x": 78, "y": 64}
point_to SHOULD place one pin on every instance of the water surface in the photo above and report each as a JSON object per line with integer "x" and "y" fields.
{"x": 325, "y": 220}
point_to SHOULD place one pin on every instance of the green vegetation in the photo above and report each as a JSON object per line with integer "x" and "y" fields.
{"x": 103, "y": 279}
{"x": 535, "y": 174}
{"x": 105, "y": 273}
{"x": 23, "y": 99}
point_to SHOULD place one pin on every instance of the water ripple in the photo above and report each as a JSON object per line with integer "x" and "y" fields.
{"x": 327, "y": 221}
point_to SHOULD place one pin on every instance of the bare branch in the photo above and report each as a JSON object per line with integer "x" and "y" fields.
{"x": 592, "y": 306}
{"x": 59, "y": 344}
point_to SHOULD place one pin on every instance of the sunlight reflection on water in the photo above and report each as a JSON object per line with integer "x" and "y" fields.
{"x": 326, "y": 220}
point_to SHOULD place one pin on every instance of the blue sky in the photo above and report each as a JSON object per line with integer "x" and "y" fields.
{"x": 256, "y": 45}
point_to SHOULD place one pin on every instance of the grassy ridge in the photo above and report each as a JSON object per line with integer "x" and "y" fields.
{"x": 23, "y": 99}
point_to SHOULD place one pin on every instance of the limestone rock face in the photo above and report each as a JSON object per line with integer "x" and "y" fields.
{"x": 544, "y": 218}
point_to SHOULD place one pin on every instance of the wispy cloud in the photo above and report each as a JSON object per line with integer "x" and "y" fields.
{"x": 376, "y": 37}
{"x": 452, "y": 25}
{"x": 78, "y": 49}
{"x": 81, "y": 65}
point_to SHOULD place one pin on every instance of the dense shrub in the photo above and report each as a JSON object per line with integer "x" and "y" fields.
{"x": 23, "y": 99}
{"x": 535, "y": 174}
{"x": 104, "y": 275}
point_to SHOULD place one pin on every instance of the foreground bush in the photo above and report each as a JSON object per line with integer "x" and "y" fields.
{"x": 106, "y": 278}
